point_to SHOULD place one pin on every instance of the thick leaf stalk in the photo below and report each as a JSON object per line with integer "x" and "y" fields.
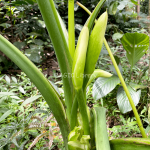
{"x": 40, "y": 82}
{"x": 57, "y": 36}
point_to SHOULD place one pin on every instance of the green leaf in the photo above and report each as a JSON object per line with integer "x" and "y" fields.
{"x": 31, "y": 1}
{"x": 130, "y": 144}
{"x": 7, "y": 79}
{"x": 122, "y": 4}
{"x": 18, "y": 3}
{"x": 134, "y": 2}
{"x": 19, "y": 45}
{"x": 34, "y": 53}
{"x": 6, "y": 94}
{"x": 103, "y": 86}
{"x": 41, "y": 23}
{"x": 117, "y": 36}
{"x": 34, "y": 56}
{"x": 38, "y": 42}
{"x": 112, "y": 68}
{"x": 78, "y": 145}
{"x": 6, "y": 114}
{"x": 58, "y": 38}
{"x": 82, "y": 143}
{"x": 98, "y": 115}
{"x": 5, "y": 25}
{"x": 137, "y": 86}
{"x": 39, "y": 81}
{"x": 74, "y": 134}
{"x": 34, "y": 34}
{"x": 14, "y": 79}
{"x": 113, "y": 8}
{"x": 55, "y": 87}
{"x": 30, "y": 100}
{"x": 122, "y": 100}
{"x": 136, "y": 45}
{"x": 21, "y": 90}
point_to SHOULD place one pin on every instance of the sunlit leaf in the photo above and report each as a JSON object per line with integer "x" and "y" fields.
{"x": 7, "y": 79}
{"x": 21, "y": 90}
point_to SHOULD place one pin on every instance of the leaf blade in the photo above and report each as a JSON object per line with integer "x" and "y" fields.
{"x": 103, "y": 86}
{"x": 122, "y": 100}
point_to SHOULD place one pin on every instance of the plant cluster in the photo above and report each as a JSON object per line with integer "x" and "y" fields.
{"x": 83, "y": 128}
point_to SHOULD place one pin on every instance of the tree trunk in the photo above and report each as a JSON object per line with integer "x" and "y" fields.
{"x": 138, "y": 9}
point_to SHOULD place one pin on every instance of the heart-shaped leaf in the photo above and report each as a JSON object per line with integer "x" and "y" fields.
{"x": 122, "y": 99}
{"x": 103, "y": 86}
{"x": 136, "y": 45}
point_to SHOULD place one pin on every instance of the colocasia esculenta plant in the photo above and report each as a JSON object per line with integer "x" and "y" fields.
{"x": 82, "y": 128}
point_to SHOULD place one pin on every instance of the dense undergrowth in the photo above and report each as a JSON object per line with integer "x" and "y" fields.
{"x": 25, "y": 119}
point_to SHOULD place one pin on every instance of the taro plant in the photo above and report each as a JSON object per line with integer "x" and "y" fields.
{"x": 81, "y": 127}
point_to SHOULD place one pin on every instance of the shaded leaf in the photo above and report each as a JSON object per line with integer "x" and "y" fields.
{"x": 5, "y": 25}
{"x": 122, "y": 99}
{"x": 38, "y": 42}
{"x": 137, "y": 86}
{"x": 103, "y": 86}
{"x": 112, "y": 68}
{"x": 19, "y": 45}
{"x": 117, "y": 36}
